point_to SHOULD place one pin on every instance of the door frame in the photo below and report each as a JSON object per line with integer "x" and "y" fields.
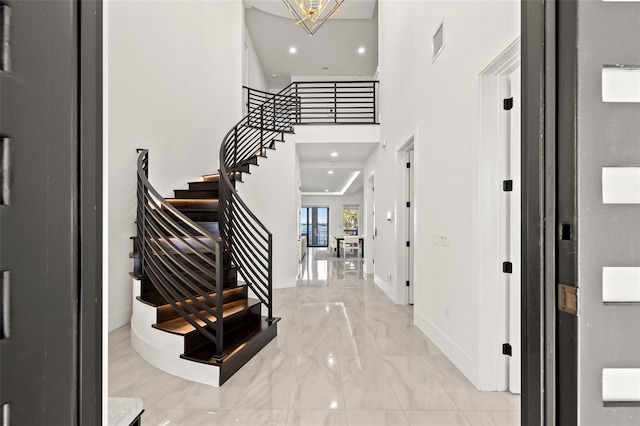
{"x": 538, "y": 29}
{"x": 370, "y": 223}
{"x": 402, "y": 217}
{"x": 488, "y": 205}
{"x": 91, "y": 371}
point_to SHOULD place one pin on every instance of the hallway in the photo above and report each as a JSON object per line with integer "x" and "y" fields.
{"x": 344, "y": 355}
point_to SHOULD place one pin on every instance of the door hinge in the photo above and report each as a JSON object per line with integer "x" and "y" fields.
{"x": 408, "y": 283}
{"x": 507, "y": 104}
{"x": 408, "y": 203}
{"x": 408, "y": 165}
{"x": 507, "y": 185}
{"x": 568, "y": 299}
{"x": 408, "y": 244}
{"x": 507, "y": 267}
{"x": 506, "y": 349}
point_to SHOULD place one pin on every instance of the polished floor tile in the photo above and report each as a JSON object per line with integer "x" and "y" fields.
{"x": 317, "y": 418}
{"x": 365, "y": 384}
{"x": 317, "y": 384}
{"x": 376, "y": 418}
{"x": 344, "y": 355}
{"x": 436, "y": 418}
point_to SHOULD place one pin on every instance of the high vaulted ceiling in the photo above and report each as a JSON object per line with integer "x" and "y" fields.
{"x": 332, "y": 53}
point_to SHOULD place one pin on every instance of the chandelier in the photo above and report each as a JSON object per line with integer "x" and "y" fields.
{"x": 311, "y": 14}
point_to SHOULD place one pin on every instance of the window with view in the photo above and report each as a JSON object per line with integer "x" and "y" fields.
{"x": 314, "y": 224}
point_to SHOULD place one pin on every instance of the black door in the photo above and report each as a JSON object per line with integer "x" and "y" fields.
{"x": 49, "y": 220}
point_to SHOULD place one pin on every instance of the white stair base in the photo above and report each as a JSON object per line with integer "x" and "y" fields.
{"x": 162, "y": 349}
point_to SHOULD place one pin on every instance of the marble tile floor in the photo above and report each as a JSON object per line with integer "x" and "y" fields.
{"x": 344, "y": 355}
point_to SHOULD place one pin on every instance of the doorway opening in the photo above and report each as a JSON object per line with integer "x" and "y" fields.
{"x": 370, "y": 230}
{"x": 406, "y": 221}
{"x": 314, "y": 224}
{"x": 410, "y": 225}
{"x": 498, "y": 222}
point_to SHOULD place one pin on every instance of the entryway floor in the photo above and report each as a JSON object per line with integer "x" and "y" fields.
{"x": 344, "y": 355}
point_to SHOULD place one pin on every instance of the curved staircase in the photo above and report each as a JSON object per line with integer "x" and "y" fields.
{"x": 203, "y": 260}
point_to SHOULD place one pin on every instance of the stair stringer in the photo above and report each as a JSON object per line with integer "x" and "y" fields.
{"x": 162, "y": 349}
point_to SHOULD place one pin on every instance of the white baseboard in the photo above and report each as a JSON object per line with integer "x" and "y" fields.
{"x": 163, "y": 350}
{"x": 387, "y": 287}
{"x": 285, "y": 282}
{"x": 449, "y": 348}
{"x": 119, "y": 319}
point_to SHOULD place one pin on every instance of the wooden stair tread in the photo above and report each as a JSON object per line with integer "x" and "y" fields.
{"x": 186, "y": 204}
{"x": 196, "y": 194}
{"x": 234, "y": 342}
{"x": 200, "y": 245}
{"x": 215, "y": 177}
{"x": 165, "y": 312}
{"x": 181, "y": 326}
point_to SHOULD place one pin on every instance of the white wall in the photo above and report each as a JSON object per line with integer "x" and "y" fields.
{"x": 335, "y": 204}
{"x": 270, "y": 191}
{"x": 438, "y": 104}
{"x": 257, "y": 78}
{"x": 175, "y": 77}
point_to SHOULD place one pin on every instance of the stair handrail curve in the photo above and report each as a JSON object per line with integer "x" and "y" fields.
{"x": 248, "y": 241}
{"x": 183, "y": 260}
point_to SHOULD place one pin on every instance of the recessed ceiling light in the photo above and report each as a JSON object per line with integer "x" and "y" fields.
{"x": 292, "y": 50}
{"x": 326, "y": 190}
{"x": 330, "y": 172}
{"x": 361, "y": 50}
{"x": 273, "y": 75}
{"x": 334, "y": 154}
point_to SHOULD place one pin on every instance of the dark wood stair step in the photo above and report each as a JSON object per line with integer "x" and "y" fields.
{"x": 211, "y": 227}
{"x": 187, "y": 204}
{"x": 181, "y": 327}
{"x": 239, "y": 346}
{"x": 252, "y": 161}
{"x": 200, "y": 244}
{"x": 196, "y": 193}
{"x": 215, "y": 177}
{"x": 166, "y": 312}
{"x": 204, "y": 186}
{"x": 152, "y": 297}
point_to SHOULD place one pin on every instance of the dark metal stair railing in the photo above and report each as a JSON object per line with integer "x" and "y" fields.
{"x": 247, "y": 240}
{"x": 183, "y": 261}
{"x": 324, "y": 102}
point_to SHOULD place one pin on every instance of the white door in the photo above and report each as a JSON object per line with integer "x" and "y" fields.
{"x": 410, "y": 239}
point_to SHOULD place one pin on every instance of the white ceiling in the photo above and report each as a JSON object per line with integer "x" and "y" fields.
{"x": 316, "y": 162}
{"x": 334, "y": 46}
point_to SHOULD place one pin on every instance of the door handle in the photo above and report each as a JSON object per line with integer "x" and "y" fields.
{"x": 5, "y": 171}
{"x": 5, "y": 25}
{"x": 5, "y": 314}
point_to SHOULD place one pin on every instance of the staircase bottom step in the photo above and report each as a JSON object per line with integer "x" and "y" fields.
{"x": 240, "y": 346}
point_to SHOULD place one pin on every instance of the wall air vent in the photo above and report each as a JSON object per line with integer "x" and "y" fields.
{"x": 437, "y": 44}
